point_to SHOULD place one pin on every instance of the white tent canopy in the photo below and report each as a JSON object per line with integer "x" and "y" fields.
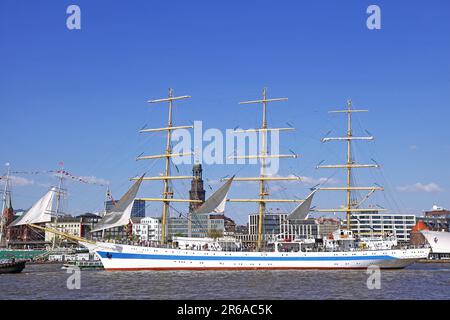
{"x": 40, "y": 212}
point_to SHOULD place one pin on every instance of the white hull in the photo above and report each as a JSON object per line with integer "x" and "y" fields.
{"x": 125, "y": 257}
{"x": 438, "y": 240}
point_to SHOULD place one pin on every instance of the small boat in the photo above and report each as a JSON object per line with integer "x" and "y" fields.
{"x": 12, "y": 266}
{"x": 90, "y": 264}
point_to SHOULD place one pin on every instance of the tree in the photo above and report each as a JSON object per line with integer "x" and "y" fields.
{"x": 214, "y": 233}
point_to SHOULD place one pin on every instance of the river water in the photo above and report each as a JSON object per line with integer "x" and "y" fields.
{"x": 419, "y": 281}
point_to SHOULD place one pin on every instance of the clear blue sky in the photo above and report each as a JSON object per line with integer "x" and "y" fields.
{"x": 78, "y": 96}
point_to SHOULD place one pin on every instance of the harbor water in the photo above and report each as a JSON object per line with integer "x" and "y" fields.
{"x": 50, "y": 281}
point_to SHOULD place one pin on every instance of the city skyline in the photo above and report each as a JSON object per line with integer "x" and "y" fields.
{"x": 79, "y": 96}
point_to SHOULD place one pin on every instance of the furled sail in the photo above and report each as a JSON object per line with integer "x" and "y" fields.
{"x": 216, "y": 203}
{"x": 302, "y": 210}
{"x": 121, "y": 213}
{"x": 40, "y": 212}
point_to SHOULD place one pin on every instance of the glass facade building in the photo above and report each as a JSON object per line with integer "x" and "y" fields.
{"x": 374, "y": 224}
{"x": 138, "y": 210}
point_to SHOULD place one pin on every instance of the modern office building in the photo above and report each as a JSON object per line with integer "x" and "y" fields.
{"x": 138, "y": 210}
{"x": 372, "y": 224}
{"x": 367, "y": 224}
{"x": 201, "y": 225}
{"x": 216, "y": 222}
{"x": 177, "y": 226}
{"x": 277, "y": 225}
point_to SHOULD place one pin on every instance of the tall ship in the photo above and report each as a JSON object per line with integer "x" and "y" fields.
{"x": 339, "y": 251}
{"x": 19, "y": 241}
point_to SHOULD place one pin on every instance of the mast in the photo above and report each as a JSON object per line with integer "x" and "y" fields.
{"x": 167, "y": 195}
{"x": 108, "y": 197}
{"x": 2, "y": 217}
{"x": 262, "y": 156}
{"x": 58, "y": 203}
{"x": 350, "y": 164}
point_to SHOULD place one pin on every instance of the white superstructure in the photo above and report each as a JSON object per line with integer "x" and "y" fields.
{"x": 438, "y": 240}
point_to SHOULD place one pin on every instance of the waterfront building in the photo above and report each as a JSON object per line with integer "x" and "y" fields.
{"x": 437, "y": 223}
{"x": 7, "y": 217}
{"x": 177, "y": 226}
{"x": 327, "y": 226}
{"x": 148, "y": 229}
{"x": 216, "y": 223}
{"x": 26, "y": 237}
{"x": 437, "y": 219}
{"x": 375, "y": 223}
{"x": 138, "y": 210}
{"x": 229, "y": 226}
{"x": 88, "y": 223}
{"x": 67, "y": 224}
{"x": 82, "y": 225}
{"x": 241, "y": 229}
{"x": 274, "y": 224}
{"x": 437, "y": 211}
{"x": 201, "y": 225}
{"x": 18, "y": 236}
{"x": 277, "y": 224}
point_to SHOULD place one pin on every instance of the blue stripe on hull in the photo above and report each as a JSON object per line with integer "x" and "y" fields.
{"x": 120, "y": 255}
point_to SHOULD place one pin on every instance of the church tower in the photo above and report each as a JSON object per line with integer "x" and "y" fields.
{"x": 197, "y": 191}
